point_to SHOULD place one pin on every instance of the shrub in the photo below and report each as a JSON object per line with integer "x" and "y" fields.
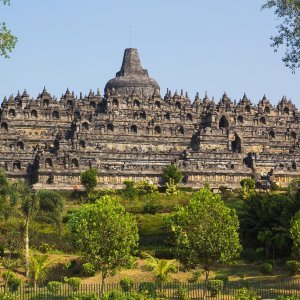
{"x": 224, "y": 278}
{"x": 182, "y": 293}
{"x": 246, "y": 294}
{"x": 292, "y": 267}
{"x": 215, "y": 286}
{"x": 172, "y": 172}
{"x": 145, "y": 188}
{"x": 7, "y": 296}
{"x": 148, "y": 288}
{"x": 195, "y": 276}
{"x": 266, "y": 269}
{"x": 88, "y": 179}
{"x": 54, "y": 287}
{"x": 88, "y": 269}
{"x": 11, "y": 280}
{"x": 165, "y": 253}
{"x": 73, "y": 282}
{"x": 126, "y": 284}
{"x": 248, "y": 183}
{"x": 45, "y": 247}
{"x": 84, "y": 297}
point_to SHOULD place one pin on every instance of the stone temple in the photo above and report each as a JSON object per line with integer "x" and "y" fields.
{"x": 132, "y": 132}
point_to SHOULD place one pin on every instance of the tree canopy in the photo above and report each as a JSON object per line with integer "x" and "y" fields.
{"x": 171, "y": 172}
{"x": 205, "y": 231}
{"x": 288, "y": 30}
{"x": 106, "y": 234}
{"x": 7, "y": 40}
{"x": 88, "y": 179}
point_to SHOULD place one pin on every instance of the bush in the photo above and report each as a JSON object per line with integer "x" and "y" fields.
{"x": 292, "y": 267}
{"x": 248, "y": 183}
{"x": 11, "y": 280}
{"x": 145, "y": 188}
{"x": 182, "y": 293}
{"x": 88, "y": 179}
{"x": 195, "y": 276}
{"x": 266, "y": 269}
{"x": 7, "y": 296}
{"x": 54, "y": 287}
{"x": 88, "y": 269}
{"x": 116, "y": 295}
{"x": 73, "y": 282}
{"x": 126, "y": 284}
{"x": 172, "y": 172}
{"x": 215, "y": 286}
{"x": 148, "y": 288}
{"x": 84, "y": 297}
{"x": 45, "y": 247}
{"x": 246, "y": 294}
{"x": 224, "y": 278}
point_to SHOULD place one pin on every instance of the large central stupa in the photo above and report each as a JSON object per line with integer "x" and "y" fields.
{"x": 132, "y": 78}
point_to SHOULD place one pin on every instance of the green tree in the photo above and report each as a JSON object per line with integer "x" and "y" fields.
{"x": 205, "y": 231}
{"x": 265, "y": 222}
{"x": 161, "y": 268}
{"x": 7, "y": 40}
{"x": 88, "y": 179}
{"x": 39, "y": 266}
{"x": 288, "y": 30}
{"x": 171, "y": 172}
{"x": 45, "y": 206}
{"x": 295, "y": 235}
{"x": 106, "y": 234}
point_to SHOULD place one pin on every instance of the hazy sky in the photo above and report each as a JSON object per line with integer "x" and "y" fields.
{"x": 194, "y": 45}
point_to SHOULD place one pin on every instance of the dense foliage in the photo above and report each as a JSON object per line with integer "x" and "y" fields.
{"x": 205, "y": 231}
{"x": 7, "y": 40}
{"x": 288, "y": 31}
{"x": 106, "y": 234}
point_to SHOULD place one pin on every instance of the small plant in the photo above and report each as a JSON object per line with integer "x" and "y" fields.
{"x": 171, "y": 187}
{"x": 292, "y": 267}
{"x": 246, "y": 294}
{"x": 266, "y": 269}
{"x": 215, "y": 286}
{"x": 148, "y": 288}
{"x": 126, "y": 284}
{"x": 224, "y": 278}
{"x": 11, "y": 281}
{"x": 45, "y": 248}
{"x": 182, "y": 293}
{"x": 195, "y": 276}
{"x": 54, "y": 287}
{"x": 88, "y": 179}
{"x": 73, "y": 282}
{"x": 7, "y": 296}
{"x": 88, "y": 269}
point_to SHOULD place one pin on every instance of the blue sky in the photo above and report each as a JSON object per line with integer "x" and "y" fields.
{"x": 194, "y": 45}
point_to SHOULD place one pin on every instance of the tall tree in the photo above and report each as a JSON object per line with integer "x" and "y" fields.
{"x": 295, "y": 235}
{"x": 106, "y": 234}
{"x": 44, "y": 206}
{"x": 205, "y": 231}
{"x": 288, "y": 30}
{"x": 7, "y": 40}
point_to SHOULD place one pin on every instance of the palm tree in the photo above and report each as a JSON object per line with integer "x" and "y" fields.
{"x": 161, "y": 268}
{"x": 39, "y": 265}
{"x": 24, "y": 203}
